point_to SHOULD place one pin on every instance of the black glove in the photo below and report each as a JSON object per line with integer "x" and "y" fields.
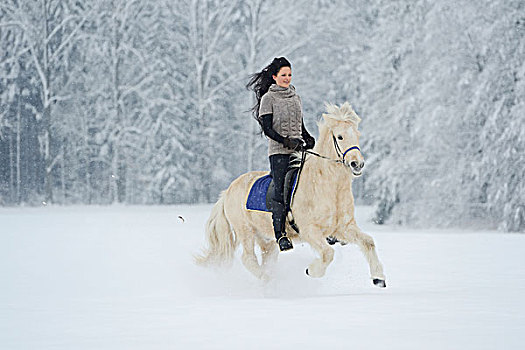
{"x": 310, "y": 142}
{"x": 293, "y": 143}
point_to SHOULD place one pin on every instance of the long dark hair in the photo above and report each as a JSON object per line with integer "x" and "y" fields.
{"x": 261, "y": 82}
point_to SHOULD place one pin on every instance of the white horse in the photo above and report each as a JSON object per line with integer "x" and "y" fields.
{"x": 323, "y": 206}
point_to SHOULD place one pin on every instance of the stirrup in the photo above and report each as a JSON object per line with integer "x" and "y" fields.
{"x": 285, "y": 244}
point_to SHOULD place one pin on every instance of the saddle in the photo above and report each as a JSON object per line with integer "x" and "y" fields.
{"x": 290, "y": 181}
{"x": 260, "y": 195}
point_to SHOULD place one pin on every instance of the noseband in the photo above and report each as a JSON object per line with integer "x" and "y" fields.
{"x": 338, "y": 149}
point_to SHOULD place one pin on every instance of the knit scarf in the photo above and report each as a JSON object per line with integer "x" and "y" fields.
{"x": 282, "y": 91}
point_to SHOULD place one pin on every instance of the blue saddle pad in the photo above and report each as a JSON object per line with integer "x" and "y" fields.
{"x": 258, "y": 193}
{"x": 257, "y": 196}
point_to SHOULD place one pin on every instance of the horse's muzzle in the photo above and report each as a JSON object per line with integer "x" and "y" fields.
{"x": 357, "y": 167}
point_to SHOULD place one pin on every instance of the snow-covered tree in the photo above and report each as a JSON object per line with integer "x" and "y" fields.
{"x": 48, "y": 29}
{"x": 144, "y": 102}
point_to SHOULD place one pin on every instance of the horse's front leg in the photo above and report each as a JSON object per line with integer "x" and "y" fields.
{"x": 326, "y": 254}
{"x": 368, "y": 247}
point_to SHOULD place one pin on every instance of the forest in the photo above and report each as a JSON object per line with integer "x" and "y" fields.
{"x": 144, "y": 102}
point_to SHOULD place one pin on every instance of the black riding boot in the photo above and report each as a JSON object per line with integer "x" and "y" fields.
{"x": 279, "y": 221}
{"x": 278, "y": 165}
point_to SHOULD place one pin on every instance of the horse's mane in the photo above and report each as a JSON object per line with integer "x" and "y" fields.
{"x": 343, "y": 113}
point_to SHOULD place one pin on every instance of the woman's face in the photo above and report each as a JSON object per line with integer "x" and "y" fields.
{"x": 283, "y": 77}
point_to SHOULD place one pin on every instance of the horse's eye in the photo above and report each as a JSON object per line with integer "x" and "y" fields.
{"x": 340, "y": 137}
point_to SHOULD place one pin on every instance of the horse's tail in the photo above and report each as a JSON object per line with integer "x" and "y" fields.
{"x": 220, "y": 237}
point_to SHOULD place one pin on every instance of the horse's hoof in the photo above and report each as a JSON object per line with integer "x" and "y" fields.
{"x": 314, "y": 274}
{"x": 331, "y": 240}
{"x": 379, "y": 283}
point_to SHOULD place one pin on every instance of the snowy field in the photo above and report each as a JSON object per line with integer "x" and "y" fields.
{"x": 123, "y": 278}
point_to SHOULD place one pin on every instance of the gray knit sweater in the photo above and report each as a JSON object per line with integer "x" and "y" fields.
{"x": 286, "y": 107}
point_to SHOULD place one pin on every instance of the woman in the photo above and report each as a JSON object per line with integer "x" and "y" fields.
{"x": 279, "y": 113}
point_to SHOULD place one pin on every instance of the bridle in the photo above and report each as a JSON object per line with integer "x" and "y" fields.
{"x": 338, "y": 150}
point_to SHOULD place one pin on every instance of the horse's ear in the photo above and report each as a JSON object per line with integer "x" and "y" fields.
{"x": 346, "y": 108}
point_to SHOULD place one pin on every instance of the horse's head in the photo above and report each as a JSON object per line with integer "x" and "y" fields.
{"x": 340, "y": 130}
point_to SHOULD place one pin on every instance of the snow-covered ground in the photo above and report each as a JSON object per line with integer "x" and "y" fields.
{"x": 123, "y": 278}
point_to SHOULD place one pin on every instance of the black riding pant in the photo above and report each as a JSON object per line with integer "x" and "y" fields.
{"x": 278, "y": 167}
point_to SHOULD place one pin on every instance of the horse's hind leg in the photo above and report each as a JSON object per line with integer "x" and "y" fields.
{"x": 249, "y": 259}
{"x": 366, "y": 244}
